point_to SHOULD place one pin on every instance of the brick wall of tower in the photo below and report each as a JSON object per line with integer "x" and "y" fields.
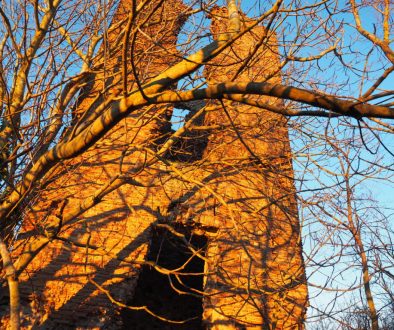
{"x": 56, "y": 288}
{"x": 255, "y": 272}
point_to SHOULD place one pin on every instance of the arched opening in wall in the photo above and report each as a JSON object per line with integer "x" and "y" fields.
{"x": 192, "y": 141}
{"x": 173, "y": 298}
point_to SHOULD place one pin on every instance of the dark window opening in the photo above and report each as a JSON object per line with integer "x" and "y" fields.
{"x": 154, "y": 289}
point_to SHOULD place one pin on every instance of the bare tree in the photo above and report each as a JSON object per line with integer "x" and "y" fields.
{"x": 353, "y": 230}
{"x": 87, "y": 86}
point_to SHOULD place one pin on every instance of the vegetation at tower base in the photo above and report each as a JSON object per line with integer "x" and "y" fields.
{"x": 99, "y": 195}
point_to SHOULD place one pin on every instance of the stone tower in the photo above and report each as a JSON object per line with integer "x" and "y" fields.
{"x": 256, "y": 260}
{"x": 232, "y": 184}
{"x": 105, "y": 245}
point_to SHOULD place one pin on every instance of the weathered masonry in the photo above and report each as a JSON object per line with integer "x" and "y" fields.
{"x": 216, "y": 217}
